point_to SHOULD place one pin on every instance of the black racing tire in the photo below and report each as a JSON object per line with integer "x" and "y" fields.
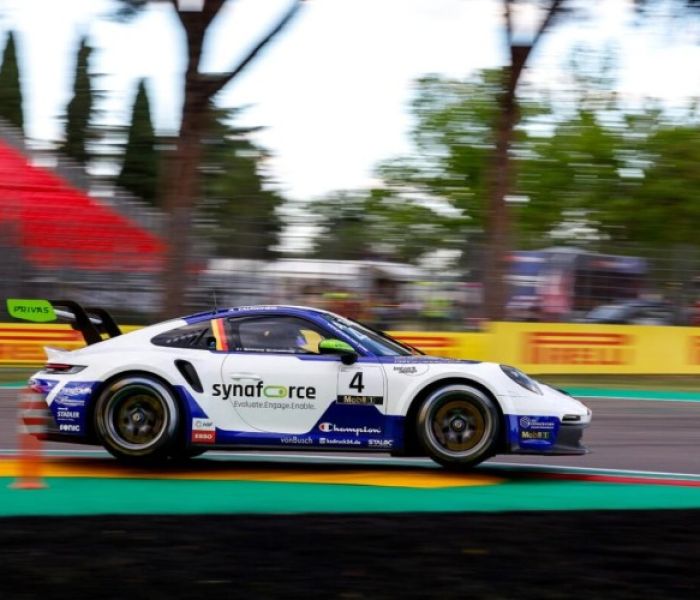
{"x": 137, "y": 419}
{"x": 458, "y": 426}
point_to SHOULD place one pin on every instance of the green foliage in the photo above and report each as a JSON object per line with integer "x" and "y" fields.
{"x": 380, "y": 224}
{"x": 634, "y": 180}
{"x": 139, "y": 172}
{"x": 79, "y": 110}
{"x": 663, "y": 207}
{"x": 239, "y": 212}
{"x": 434, "y": 199}
{"x": 574, "y": 171}
{"x": 596, "y": 173}
{"x": 10, "y": 88}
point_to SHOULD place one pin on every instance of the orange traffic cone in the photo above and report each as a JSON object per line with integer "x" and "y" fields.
{"x": 31, "y": 426}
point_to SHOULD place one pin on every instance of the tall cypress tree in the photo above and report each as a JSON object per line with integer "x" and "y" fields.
{"x": 10, "y": 90}
{"x": 79, "y": 110}
{"x": 139, "y": 172}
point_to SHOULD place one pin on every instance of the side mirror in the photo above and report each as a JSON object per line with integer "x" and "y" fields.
{"x": 332, "y": 346}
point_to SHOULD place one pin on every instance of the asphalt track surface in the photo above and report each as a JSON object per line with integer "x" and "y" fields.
{"x": 625, "y": 434}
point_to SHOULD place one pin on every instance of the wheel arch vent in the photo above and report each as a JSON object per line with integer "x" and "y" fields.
{"x": 188, "y": 371}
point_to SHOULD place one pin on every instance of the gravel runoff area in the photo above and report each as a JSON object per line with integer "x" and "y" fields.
{"x": 606, "y": 554}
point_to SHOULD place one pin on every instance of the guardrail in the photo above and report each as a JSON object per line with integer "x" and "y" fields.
{"x": 538, "y": 348}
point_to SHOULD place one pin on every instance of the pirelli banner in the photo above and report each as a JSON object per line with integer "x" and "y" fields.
{"x": 538, "y": 348}
{"x": 448, "y": 345}
{"x": 542, "y": 348}
{"x": 551, "y": 348}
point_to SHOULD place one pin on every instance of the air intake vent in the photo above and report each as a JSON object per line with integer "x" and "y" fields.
{"x": 571, "y": 418}
{"x": 190, "y": 374}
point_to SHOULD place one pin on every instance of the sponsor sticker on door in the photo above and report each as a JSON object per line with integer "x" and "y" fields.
{"x": 203, "y": 431}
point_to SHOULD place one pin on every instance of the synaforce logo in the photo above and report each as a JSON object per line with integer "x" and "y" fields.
{"x": 261, "y": 390}
{"x": 569, "y": 348}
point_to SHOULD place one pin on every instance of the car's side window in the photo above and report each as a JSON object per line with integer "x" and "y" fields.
{"x": 274, "y": 334}
{"x": 198, "y": 335}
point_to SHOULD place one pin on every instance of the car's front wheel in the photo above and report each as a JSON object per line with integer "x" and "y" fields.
{"x": 137, "y": 418}
{"x": 458, "y": 426}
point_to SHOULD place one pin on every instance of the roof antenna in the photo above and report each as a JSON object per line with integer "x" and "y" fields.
{"x": 216, "y": 306}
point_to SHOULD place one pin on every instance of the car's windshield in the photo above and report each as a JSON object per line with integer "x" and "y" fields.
{"x": 376, "y": 342}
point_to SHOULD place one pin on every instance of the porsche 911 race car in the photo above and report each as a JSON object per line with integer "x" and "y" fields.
{"x": 288, "y": 377}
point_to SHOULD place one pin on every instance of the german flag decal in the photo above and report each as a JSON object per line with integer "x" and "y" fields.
{"x": 219, "y": 330}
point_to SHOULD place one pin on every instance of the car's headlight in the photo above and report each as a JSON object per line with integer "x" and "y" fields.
{"x": 521, "y": 379}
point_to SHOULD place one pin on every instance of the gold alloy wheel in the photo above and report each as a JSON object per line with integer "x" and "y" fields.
{"x": 458, "y": 425}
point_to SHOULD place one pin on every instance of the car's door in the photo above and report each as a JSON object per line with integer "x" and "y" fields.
{"x": 273, "y": 378}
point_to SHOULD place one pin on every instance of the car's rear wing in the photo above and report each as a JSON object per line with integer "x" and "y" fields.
{"x": 91, "y": 321}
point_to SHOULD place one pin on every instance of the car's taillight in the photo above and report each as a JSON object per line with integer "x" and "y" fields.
{"x": 61, "y": 369}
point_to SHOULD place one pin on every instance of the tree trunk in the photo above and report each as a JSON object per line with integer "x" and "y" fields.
{"x": 182, "y": 182}
{"x": 498, "y": 223}
{"x": 182, "y": 189}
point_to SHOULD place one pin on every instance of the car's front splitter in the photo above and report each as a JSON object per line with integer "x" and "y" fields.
{"x": 544, "y": 435}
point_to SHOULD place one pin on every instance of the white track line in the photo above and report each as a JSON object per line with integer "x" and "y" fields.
{"x": 595, "y": 469}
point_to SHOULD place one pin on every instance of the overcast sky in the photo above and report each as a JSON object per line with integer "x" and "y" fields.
{"x": 333, "y": 90}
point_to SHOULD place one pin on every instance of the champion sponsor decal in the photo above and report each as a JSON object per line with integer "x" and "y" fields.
{"x": 357, "y": 431}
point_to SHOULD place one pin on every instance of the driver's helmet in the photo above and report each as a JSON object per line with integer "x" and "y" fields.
{"x": 286, "y": 337}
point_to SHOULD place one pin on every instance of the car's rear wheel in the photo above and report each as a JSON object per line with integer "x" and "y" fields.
{"x": 137, "y": 419}
{"x": 458, "y": 426}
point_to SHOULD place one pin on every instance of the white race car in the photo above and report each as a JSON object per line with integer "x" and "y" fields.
{"x": 287, "y": 377}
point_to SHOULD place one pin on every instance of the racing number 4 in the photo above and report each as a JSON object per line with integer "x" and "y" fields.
{"x": 356, "y": 382}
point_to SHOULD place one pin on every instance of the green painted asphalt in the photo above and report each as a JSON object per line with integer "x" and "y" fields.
{"x": 13, "y": 385}
{"x": 633, "y": 394}
{"x": 68, "y": 496}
